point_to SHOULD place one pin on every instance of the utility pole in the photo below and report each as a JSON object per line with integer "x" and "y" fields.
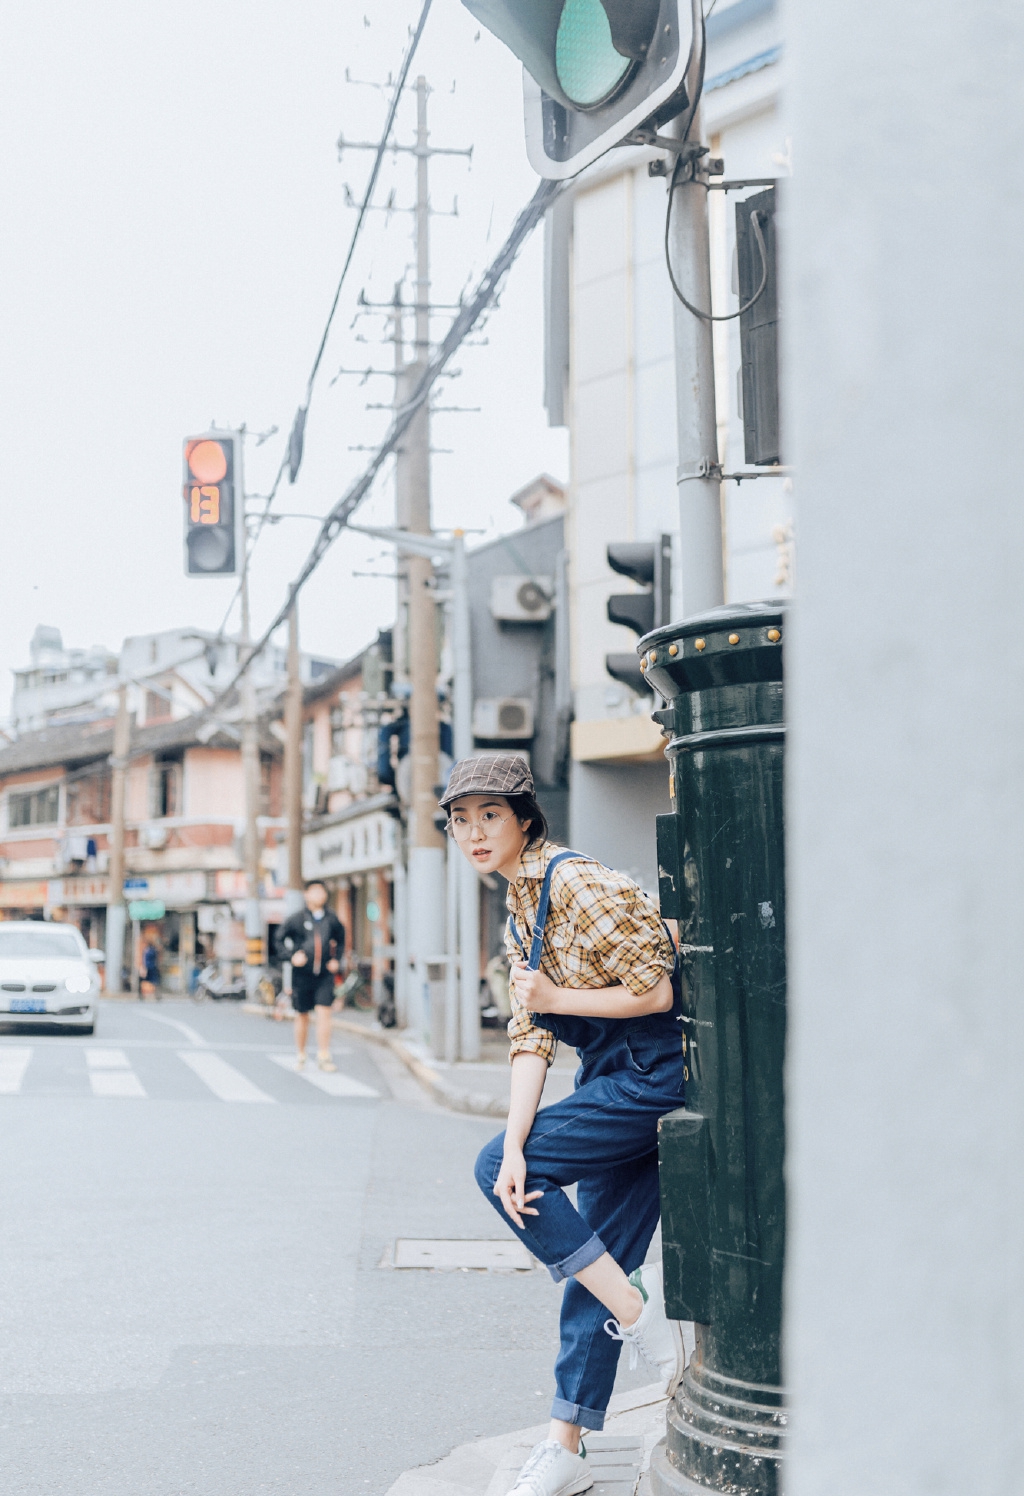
{"x": 293, "y": 765}
{"x": 116, "y": 914}
{"x": 462, "y": 744}
{"x": 419, "y": 887}
{"x": 251, "y": 780}
{"x": 426, "y": 882}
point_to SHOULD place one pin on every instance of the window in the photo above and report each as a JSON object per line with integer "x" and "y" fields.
{"x": 88, "y": 799}
{"x": 34, "y": 807}
{"x": 41, "y": 943}
{"x": 165, "y": 788}
{"x": 158, "y": 706}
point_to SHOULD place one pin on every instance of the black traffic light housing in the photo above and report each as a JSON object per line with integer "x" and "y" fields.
{"x": 596, "y": 70}
{"x": 648, "y": 562}
{"x": 213, "y": 505}
{"x": 759, "y": 328}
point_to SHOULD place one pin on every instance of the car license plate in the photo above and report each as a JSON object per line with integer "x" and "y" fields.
{"x": 28, "y": 1004}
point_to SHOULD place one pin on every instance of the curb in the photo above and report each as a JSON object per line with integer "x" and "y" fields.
{"x": 472, "y": 1103}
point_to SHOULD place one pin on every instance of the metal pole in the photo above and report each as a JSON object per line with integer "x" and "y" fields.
{"x": 251, "y": 778}
{"x": 293, "y": 765}
{"x": 462, "y": 742}
{"x": 426, "y": 923}
{"x": 700, "y": 504}
{"x": 116, "y": 914}
{"x": 135, "y": 954}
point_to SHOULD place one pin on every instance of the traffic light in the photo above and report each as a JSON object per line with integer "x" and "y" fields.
{"x": 214, "y": 539}
{"x": 648, "y": 562}
{"x": 596, "y": 70}
{"x": 756, "y": 265}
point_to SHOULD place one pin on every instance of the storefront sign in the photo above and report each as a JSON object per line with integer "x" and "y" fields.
{"x": 24, "y": 895}
{"x": 354, "y": 846}
{"x": 147, "y": 909}
{"x": 177, "y": 890}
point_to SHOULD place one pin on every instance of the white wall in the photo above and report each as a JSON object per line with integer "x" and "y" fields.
{"x": 905, "y": 1290}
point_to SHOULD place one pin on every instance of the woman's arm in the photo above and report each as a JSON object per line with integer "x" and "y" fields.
{"x": 529, "y": 1072}
{"x": 538, "y": 994}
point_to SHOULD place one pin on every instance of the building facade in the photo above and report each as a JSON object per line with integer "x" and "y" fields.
{"x": 611, "y": 378}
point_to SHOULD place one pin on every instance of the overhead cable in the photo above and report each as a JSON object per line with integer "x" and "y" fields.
{"x": 462, "y": 325}
{"x": 297, "y": 435}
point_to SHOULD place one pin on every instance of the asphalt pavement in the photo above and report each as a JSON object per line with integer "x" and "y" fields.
{"x": 197, "y": 1247}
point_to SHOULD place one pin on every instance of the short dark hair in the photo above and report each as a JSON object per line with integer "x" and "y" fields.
{"x": 315, "y": 883}
{"x": 525, "y": 808}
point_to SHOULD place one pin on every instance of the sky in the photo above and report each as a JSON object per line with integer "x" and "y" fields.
{"x": 176, "y": 222}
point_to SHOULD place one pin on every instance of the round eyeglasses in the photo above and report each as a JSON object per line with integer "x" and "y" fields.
{"x": 461, "y": 826}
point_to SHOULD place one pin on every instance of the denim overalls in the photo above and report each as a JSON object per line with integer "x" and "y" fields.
{"x": 604, "y": 1139}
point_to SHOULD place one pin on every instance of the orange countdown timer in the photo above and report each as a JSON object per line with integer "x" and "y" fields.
{"x": 204, "y": 506}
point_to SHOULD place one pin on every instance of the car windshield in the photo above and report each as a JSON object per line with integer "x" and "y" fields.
{"x": 26, "y": 944}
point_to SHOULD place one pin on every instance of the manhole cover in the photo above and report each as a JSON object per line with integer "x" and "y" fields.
{"x": 410, "y": 1252}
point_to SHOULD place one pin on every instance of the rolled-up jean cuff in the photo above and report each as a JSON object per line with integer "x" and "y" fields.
{"x": 568, "y": 1412}
{"x": 582, "y": 1257}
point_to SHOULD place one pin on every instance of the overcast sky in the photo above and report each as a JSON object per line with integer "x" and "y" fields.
{"x": 175, "y": 225}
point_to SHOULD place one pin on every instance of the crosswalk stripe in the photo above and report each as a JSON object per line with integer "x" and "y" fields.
{"x": 223, "y": 1079}
{"x": 116, "y": 1083}
{"x": 107, "y": 1059}
{"x": 13, "y": 1064}
{"x": 334, "y": 1084}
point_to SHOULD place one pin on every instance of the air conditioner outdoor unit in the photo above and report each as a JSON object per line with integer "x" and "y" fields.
{"x": 153, "y": 837}
{"x": 499, "y": 717}
{"x": 519, "y": 599}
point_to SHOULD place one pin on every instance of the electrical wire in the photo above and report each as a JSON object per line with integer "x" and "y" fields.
{"x": 295, "y": 439}
{"x": 292, "y": 455}
{"x": 462, "y": 325}
{"x": 675, "y": 182}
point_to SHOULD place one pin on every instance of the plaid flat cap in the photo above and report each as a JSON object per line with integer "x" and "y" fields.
{"x": 489, "y": 773}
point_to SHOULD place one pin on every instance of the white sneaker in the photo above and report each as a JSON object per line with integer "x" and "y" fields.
{"x": 552, "y": 1470}
{"x": 658, "y": 1339}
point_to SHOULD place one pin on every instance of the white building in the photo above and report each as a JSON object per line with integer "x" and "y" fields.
{"x": 611, "y": 378}
{"x": 171, "y": 675}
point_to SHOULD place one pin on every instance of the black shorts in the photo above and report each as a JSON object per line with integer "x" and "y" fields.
{"x": 314, "y": 992}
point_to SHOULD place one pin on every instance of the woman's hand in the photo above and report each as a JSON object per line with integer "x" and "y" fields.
{"x": 510, "y": 1186}
{"x": 536, "y": 992}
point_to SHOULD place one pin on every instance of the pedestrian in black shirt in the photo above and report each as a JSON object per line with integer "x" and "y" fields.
{"x": 314, "y": 942}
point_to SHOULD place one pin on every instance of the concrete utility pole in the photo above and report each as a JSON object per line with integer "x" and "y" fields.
{"x": 905, "y": 782}
{"x": 467, "y": 883}
{"x": 116, "y": 913}
{"x": 700, "y": 488}
{"x": 251, "y": 778}
{"x": 426, "y": 881}
{"x": 293, "y": 765}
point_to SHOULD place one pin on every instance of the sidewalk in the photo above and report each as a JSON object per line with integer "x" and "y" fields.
{"x": 480, "y": 1087}
{"x": 488, "y": 1467}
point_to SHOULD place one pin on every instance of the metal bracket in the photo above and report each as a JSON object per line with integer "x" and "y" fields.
{"x": 706, "y": 468}
{"x": 737, "y": 182}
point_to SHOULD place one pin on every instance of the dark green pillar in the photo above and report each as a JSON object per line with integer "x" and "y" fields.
{"x": 720, "y": 857}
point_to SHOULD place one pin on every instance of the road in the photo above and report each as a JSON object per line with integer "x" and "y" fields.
{"x": 195, "y": 1244}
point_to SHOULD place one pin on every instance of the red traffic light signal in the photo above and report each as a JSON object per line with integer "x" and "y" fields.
{"x": 213, "y": 507}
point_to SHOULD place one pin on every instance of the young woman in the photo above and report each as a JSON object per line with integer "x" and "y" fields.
{"x": 592, "y": 966}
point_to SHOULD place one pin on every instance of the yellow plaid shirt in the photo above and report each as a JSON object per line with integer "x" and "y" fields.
{"x": 602, "y": 931}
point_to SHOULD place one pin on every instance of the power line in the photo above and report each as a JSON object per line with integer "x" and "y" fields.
{"x": 296, "y": 437}
{"x": 462, "y": 325}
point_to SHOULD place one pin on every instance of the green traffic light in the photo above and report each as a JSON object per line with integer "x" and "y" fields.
{"x": 589, "y": 68}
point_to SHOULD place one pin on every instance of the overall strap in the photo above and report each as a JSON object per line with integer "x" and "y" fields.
{"x": 542, "y": 911}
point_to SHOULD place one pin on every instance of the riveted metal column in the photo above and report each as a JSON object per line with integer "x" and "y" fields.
{"x": 720, "y": 857}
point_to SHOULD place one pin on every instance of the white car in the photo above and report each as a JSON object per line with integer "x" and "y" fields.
{"x": 47, "y": 976}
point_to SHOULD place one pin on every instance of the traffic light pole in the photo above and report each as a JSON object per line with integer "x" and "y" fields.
{"x": 293, "y": 765}
{"x": 116, "y": 913}
{"x": 699, "y": 474}
{"x": 251, "y": 780}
